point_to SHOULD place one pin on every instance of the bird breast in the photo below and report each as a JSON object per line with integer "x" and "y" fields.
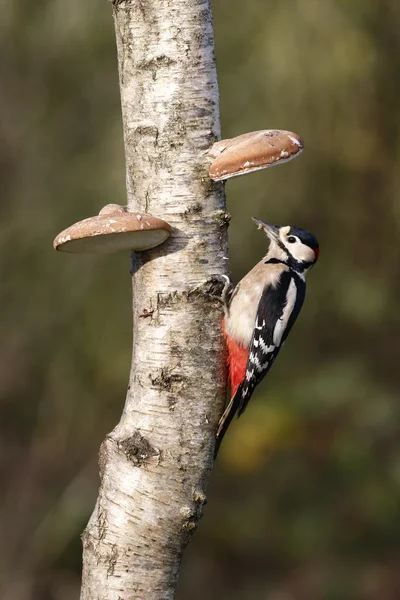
{"x": 240, "y": 321}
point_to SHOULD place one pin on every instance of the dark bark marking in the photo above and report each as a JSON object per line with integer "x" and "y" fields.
{"x": 137, "y": 449}
{"x": 166, "y": 380}
{"x": 112, "y": 559}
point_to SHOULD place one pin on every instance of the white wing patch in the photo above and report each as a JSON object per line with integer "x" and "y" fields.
{"x": 255, "y": 361}
{"x": 266, "y": 349}
{"x": 281, "y": 323}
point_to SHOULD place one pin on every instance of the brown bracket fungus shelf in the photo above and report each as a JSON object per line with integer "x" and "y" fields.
{"x": 253, "y": 151}
{"x": 113, "y": 229}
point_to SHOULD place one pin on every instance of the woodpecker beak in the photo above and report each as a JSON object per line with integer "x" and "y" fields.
{"x": 272, "y": 231}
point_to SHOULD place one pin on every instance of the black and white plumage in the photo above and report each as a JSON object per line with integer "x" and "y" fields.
{"x": 277, "y": 311}
{"x": 262, "y": 310}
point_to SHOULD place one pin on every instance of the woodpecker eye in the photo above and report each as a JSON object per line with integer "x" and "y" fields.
{"x": 291, "y": 239}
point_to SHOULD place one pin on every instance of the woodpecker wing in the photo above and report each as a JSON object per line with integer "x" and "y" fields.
{"x": 277, "y": 311}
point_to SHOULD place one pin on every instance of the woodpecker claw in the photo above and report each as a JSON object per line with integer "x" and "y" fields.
{"x": 226, "y": 290}
{"x": 223, "y": 298}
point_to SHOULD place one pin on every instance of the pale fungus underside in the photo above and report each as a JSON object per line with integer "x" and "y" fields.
{"x": 112, "y": 230}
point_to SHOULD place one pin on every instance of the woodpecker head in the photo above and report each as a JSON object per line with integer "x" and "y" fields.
{"x": 292, "y": 245}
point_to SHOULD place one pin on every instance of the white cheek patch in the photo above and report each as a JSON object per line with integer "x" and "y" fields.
{"x": 305, "y": 253}
{"x": 300, "y": 251}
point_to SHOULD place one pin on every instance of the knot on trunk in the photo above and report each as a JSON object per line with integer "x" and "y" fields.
{"x": 192, "y": 514}
{"x": 137, "y": 449}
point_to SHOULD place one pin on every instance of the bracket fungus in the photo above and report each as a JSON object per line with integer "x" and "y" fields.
{"x": 113, "y": 229}
{"x": 253, "y": 151}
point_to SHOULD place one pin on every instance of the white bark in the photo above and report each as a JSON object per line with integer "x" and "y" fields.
{"x": 156, "y": 463}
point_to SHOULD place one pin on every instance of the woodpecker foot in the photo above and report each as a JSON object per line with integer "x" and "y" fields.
{"x": 222, "y": 296}
{"x": 226, "y": 290}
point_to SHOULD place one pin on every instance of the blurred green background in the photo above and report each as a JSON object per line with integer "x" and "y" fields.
{"x": 304, "y": 500}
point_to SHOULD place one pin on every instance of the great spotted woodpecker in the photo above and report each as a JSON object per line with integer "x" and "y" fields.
{"x": 261, "y": 311}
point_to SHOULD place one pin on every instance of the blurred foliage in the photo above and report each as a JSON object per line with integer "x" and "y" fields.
{"x": 304, "y": 501}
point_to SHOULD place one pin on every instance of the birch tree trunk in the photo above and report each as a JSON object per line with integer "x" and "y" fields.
{"x": 155, "y": 464}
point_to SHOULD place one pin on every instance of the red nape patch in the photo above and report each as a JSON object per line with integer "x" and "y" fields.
{"x": 316, "y": 252}
{"x": 237, "y": 361}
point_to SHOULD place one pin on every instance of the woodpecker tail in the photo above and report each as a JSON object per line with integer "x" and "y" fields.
{"x": 227, "y": 417}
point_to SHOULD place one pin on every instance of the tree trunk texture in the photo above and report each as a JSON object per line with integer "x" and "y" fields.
{"x": 155, "y": 464}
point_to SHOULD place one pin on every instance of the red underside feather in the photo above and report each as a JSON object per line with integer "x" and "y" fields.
{"x": 237, "y": 361}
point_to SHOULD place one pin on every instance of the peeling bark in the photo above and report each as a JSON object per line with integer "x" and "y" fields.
{"x": 155, "y": 464}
